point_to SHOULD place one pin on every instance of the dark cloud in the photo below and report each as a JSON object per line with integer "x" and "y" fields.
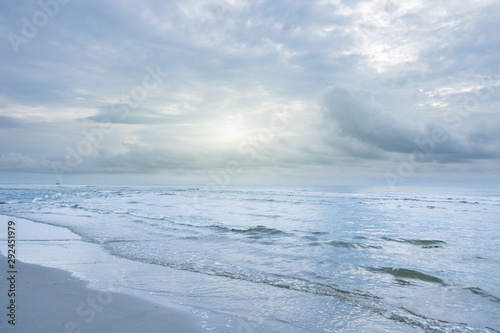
{"x": 355, "y": 123}
{"x": 355, "y": 114}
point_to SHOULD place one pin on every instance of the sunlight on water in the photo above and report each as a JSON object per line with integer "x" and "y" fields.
{"x": 414, "y": 259}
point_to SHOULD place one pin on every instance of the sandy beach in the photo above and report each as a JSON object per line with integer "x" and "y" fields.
{"x": 52, "y": 300}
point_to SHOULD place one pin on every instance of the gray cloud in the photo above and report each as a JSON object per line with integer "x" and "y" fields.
{"x": 124, "y": 114}
{"x": 16, "y": 162}
{"x": 356, "y": 114}
{"x": 356, "y": 123}
{"x": 383, "y": 74}
{"x": 8, "y": 122}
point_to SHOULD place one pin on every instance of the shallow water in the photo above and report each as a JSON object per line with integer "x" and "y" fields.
{"x": 294, "y": 259}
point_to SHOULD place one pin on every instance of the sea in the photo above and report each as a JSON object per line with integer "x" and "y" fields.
{"x": 277, "y": 258}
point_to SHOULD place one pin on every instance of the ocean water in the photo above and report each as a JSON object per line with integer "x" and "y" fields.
{"x": 285, "y": 259}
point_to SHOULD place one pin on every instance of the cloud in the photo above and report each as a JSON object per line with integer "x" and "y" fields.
{"x": 355, "y": 114}
{"x": 15, "y": 162}
{"x": 386, "y": 74}
{"x": 7, "y": 122}
{"x": 356, "y": 124}
{"x": 124, "y": 114}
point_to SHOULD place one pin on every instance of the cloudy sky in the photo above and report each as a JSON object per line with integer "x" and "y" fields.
{"x": 319, "y": 91}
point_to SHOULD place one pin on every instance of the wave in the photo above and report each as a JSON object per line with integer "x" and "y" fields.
{"x": 117, "y": 212}
{"x": 482, "y": 293}
{"x": 351, "y": 245}
{"x": 263, "y": 200}
{"x": 264, "y": 215}
{"x": 254, "y": 230}
{"x": 146, "y": 216}
{"x": 403, "y": 273}
{"x": 422, "y": 200}
{"x": 425, "y": 243}
{"x": 356, "y": 298}
{"x": 260, "y": 229}
{"x": 320, "y": 233}
{"x": 195, "y": 189}
{"x": 47, "y": 197}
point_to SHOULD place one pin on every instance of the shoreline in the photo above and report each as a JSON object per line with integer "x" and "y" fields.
{"x": 52, "y": 300}
{"x": 366, "y": 264}
{"x": 49, "y": 246}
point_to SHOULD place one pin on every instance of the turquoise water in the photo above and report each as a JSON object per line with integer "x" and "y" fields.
{"x": 295, "y": 259}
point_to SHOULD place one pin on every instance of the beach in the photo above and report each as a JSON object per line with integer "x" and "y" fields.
{"x": 295, "y": 260}
{"x": 235, "y": 166}
{"x": 52, "y": 300}
{"x": 49, "y": 299}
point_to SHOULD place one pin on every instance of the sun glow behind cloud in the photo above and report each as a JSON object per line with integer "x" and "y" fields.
{"x": 232, "y": 66}
{"x": 232, "y": 132}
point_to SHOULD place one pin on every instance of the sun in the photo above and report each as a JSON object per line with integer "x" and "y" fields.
{"x": 232, "y": 132}
{"x": 224, "y": 133}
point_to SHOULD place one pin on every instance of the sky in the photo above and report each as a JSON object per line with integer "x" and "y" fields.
{"x": 233, "y": 91}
